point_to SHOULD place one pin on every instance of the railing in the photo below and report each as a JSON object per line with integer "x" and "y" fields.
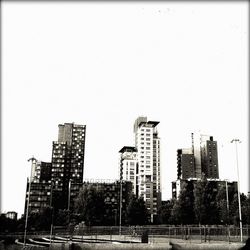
{"x": 155, "y": 233}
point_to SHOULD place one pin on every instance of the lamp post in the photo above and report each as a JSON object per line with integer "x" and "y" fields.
{"x": 120, "y": 214}
{"x": 52, "y": 210}
{"x": 33, "y": 160}
{"x": 238, "y": 186}
{"x": 227, "y": 211}
{"x": 69, "y": 191}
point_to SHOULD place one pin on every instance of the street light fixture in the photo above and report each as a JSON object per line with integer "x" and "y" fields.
{"x": 52, "y": 210}
{"x": 120, "y": 207}
{"x": 227, "y": 210}
{"x": 33, "y": 160}
{"x": 236, "y": 149}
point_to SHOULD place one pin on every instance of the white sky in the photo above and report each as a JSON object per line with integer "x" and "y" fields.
{"x": 102, "y": 64}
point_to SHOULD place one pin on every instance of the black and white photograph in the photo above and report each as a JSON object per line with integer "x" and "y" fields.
{"x": 124, "y": 125}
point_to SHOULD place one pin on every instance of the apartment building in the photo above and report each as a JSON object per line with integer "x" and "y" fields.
{"x": 141, "y": 164}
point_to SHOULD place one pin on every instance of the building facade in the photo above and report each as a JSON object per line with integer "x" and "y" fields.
{"x": 185, "y": 164}
{"x": 209, "y": 157}
{"x": 40, "y": 187}
{"x": 129, "y": 167}
{"x": 141, "y": 164}
{"x": 68, "y": 163}
{"x": 58, "y": 183}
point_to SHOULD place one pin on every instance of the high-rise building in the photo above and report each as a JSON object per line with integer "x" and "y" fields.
{"x": 141, "y": 164}
{"x": 68, "y": 162}
{"x": 40, "y": 187}
{"x": 185, "y": 163}
{"x": 41, "y": 171}
{"x": 200, "y": 159}
{"x": 209, "y": 157}
{"x": 129, "y": 167}
{"x": 58, "y": 183}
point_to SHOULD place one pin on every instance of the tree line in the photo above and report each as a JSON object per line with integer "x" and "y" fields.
{"x": 203, "y": 203}
{"x": 197, "y": 203}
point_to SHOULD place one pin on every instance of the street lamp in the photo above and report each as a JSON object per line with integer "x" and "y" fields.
{"x": 120, "y": 215}
{"x": 33, "y": 160}
{"x": 52, "y": 210}
{"x": 236, "y": 149}
{"x": 227, "y": 210}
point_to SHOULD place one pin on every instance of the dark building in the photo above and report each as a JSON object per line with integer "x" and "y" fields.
{"x": 185, "y": 164}
{"x": 40, "y": 189}
{"x": 41, "y": 171}
{"x": 58, "y": 183}
{"x": 68, "y": 162}
{"x": 209, "y": 157}
{"x": 40, "y": 196}
{"x": 198, "y": 160}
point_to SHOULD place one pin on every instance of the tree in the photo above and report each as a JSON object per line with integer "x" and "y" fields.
{"x": 221, "y": 201}
{"x": 137, "y": 213}
{"x": 61, "y": 217}
{"x": 7, "y": 224}
{"x": 165, "y": 212}
{"x": 246, "y": 210}
{"x": 40, "y": 220}
{"x": 205, "y": 206}
{"x": 90, "y": 205}
{"x": 183, "y": 208}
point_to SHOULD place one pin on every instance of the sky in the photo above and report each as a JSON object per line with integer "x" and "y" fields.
{"x": 103, "y": 64}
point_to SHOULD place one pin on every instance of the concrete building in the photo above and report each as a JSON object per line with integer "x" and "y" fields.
{"x": 209, "y": 157}
{"x": 11, "y": 215}
{"x": 40, "y": 196}
{"x": 199, "y": 160}
{"x": 68, "y": 161}
{"x": 185, "y": 164}
{"x": 58, "y": 183}
{"x": 147, "y": 144}
{"x": 141, "y": 164}
{"x": 129, "y": 167}
{"x": 41, "y": 171}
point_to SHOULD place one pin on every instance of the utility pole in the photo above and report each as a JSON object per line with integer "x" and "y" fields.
{"x": 52, "y": 211}
{"x": 69, "y": 191}
{"x": 120, "y": 218}
{"x": 33, "y": 160}
{"x": 227, "y": 211}
{"x": 236, "y": 149}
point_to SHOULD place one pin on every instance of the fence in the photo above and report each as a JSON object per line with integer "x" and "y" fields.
{"x": 158, "y": 233}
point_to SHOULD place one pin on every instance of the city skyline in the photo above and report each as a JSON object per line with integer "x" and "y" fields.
{"x": 168, "y": 61}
